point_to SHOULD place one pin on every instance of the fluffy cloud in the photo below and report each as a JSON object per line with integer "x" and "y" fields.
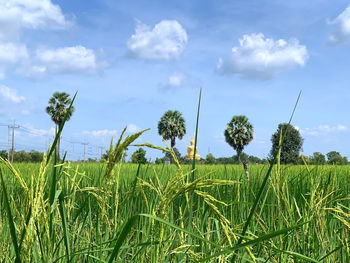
{"x": 323, "y": 130}
{"x": 65, "y": 60}
{"x": 10, "y": 54}
{"x": 342, "y": 23}
{"x": 100, "y": 133}
{"x": 18, "y": 15}
{"x": 10, "y": 95}
{"x": 166, "y": 41}
{"x": 32, "y": 14}
{"x": 132, "y": 128}
{"x": 176, "y": 79}
{"x": 258, "y": 57}
{"x": 179, "y": 80}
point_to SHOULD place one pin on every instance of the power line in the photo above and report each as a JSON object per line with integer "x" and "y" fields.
{"x": 89, "y": 150}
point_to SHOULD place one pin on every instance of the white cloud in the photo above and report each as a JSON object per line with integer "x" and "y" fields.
{"x": 166, "y": 41}
{"x": 179, "y": 80}
{"x": 19, "y": 15}
{"x": 100, "y": 133}
{"x": 32, "y": 14}
{"x": 10, "y": 95}
{"x": 342, "y": 24}
{"x": 66, "y": 60}
{"x": 132, "y": 128}
{"x": 176, "y": 79}
{"x": 258, "y": 57}
{"x": 323, "y": 130}
{"x": 10, "y": 54}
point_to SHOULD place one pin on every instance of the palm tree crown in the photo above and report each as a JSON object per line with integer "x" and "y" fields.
{"x": 57, "y": 108}
{"x": 172, "y": 126}
{"x": 239, "y": 133}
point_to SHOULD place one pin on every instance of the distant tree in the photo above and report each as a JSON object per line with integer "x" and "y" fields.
{"x": 105, "y": 156}
{"x": 21, "y": 157}
{"x": 291, "y": 144}
{"x": 244, "y": 157}
{"x": 334, "y": 157}
{"x": 210, "y": 159}
{"x": 226, "y": 160}
{"x": 35, "y": 156}
{"x": 139, "y": 156}
{"x": 345, "y": 160}
{"x": 304, "y": 159}
{"x": 239, "y": 133}
{"x": 254, "y": 159}
{"x": 318, "y": 158}
{"x": 168, "y": 155}
{"x": 158, "y": 161}
{"x": 3, "y": 154}
{"x": 171, "y": 126}
{"x": 58, "y": 105}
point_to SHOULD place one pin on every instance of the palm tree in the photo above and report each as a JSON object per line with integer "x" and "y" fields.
{"x": 58, "y": 104}
{"x": 239, "y": 133}
{"x": 172, "y": 126}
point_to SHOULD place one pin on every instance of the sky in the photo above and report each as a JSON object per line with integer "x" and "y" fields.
{"x": 131, "y": 61}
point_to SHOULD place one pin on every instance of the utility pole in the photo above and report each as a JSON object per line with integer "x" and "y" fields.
{"x": 8, "y": 149}
{"x": 84, "y": 143}
{"x": 13, "y": 127}
{"x": 101, "y": 148}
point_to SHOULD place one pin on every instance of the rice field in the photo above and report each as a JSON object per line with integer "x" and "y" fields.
{"x": 119, "y": 212}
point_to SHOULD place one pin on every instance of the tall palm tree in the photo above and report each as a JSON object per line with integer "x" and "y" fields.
{"x": 239, "y": 133}
{"x": 58, "y": 104}
{"x": 172, "y": 126}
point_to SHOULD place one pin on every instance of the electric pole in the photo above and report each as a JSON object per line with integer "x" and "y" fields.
{"x": 8, "y": 149}
{"x": 84, "y": 143}
{"x": 101, "y": 148}
{"x": 13, "y": 127}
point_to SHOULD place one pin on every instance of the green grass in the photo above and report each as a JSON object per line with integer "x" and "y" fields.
{"x": 140, "y": 214}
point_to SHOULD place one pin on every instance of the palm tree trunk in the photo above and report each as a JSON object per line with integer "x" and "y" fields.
{"x": 173, "y": 142}
{"x": 58, "y": 143}
{"x": 246, "y": 169}
{"x": 239, "y": 156}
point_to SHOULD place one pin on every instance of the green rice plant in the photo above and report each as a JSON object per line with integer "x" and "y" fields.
{"x": 59, "y": 211}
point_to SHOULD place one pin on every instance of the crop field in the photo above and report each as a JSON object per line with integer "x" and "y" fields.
{"x": 157, "y": 213}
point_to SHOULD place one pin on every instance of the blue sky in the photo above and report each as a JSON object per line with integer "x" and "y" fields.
{"x": 130, "y": 61}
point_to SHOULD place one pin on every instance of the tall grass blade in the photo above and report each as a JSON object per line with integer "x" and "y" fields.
{"x": 262, "y": 187}
{"x": 64, "y": 225}
{"x": 255, "y": 241}
{"x": 10, "y": 219}
{"x": 195, "y": 137}
{"x": 300, "y": 256}
{"x": 122, "y": 236}
{"x": 128, "y": 226}
{"x": 53, "y": 149}
{"x": 24, "y": 230}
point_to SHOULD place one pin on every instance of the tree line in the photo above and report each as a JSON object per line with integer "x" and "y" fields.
{"x": 172, "y": 126}
{"x": 317, "y": 158}
{"x": 23, "y": 156}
